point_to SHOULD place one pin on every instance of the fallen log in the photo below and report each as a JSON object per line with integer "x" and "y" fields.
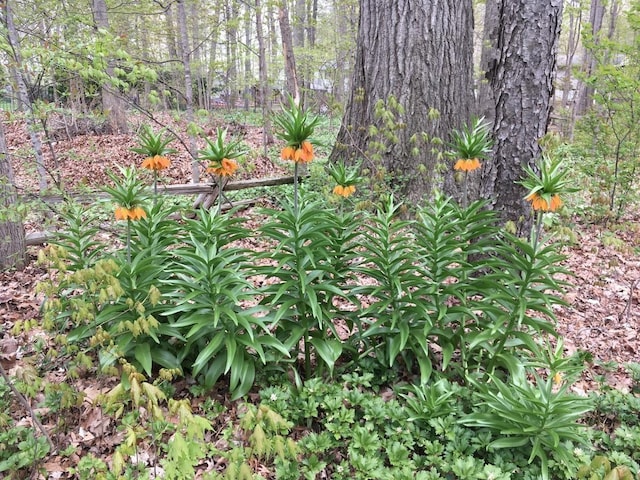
{"x": 176, "y": 189}
{"x": 40, "y": 238}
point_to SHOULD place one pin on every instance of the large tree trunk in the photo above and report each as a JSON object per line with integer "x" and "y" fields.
{"x": 12, "y": 246}
{"x": 112, "y": 103}
{"x": 520, "y": 76}
{"x": 420, "y": 53}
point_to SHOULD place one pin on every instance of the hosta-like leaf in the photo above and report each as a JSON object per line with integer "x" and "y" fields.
{"x": 208, "y": 353}
{"x": 328, "y": 349}
{"x": 142, "y": 353}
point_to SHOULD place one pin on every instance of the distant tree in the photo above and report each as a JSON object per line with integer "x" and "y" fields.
{"x": 522, "y": 38}
{"x": 420, "y": 55}
{"x": 19, "y": 72}
{"x": 113, "y": 105}
{"x": 263, "y": 77}
{"x": 584, "y": 98}
{"x": 185, "y": 51}
{"x": 292, "y": 85}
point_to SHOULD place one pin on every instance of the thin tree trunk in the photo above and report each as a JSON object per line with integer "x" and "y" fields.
{"x": 12, "y": 245}
{"x": 232, "y": 53}
{"x": 248, "y": 82}
{"x": 300, "y": 20}
{"x": 23, "y": 94}
{"x": 291, "y": 73}
{"x": 112, "y": 103}
{"x": 263, "y": 82}
{"x": 585, "y": 94}
{"x": 196, "y": 54}
{"x": 341, "y": 77}
{"x": 188, "y": 87}
{"x": 614, "y": 12}
{"x": 312, "y": 23}
{"x": 573, "y": 40}
{"x": 172, "y": 79}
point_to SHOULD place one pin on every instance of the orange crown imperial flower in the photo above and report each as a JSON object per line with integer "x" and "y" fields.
{"x": 540, "y": 203}
{"x": 467, "y": 164}
{"x": 227, "y": 168}
{"x": 157, "y": 162}
{"x": 299, "y": 154}
{"x": 133, "y": 213}
{"x": 344, "y": 190}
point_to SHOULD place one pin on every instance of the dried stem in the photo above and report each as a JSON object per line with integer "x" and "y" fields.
{"x": 22, "y": 399}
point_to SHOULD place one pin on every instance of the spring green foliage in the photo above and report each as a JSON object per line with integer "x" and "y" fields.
{"x": 450, "y": 309}
{"x": 471, "y": 141}
{"x": 607, "y": 137}
{"x": 151, "y": 143}
{"x": 295, "y": 125}
{"x": 19, "y": 446}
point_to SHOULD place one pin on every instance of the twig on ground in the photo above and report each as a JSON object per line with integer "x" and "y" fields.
{"x": 627, "y": 309}
{"x": 21, "y": 398}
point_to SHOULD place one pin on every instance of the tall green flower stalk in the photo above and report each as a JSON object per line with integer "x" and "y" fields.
{"x": 296, "y": 127}
{"x": 545, "y": 190}
{"x": 154, "y": 146}
{"x": 221, "y": 156}
{"x": 468, "y": 146}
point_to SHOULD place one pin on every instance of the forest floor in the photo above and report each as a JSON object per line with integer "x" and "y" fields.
{"x": 602, "y": 315}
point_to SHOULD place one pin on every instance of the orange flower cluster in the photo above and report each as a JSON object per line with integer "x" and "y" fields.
{"x": 344, "y": 191}
{"x": 133, "y": 213}
{"x": 226, "y": 169}
{"x": 302, "y": 154}
{"x": 539, "y": 203}
{"x": 157, "y": 162}
{"x": 467, "y": 164}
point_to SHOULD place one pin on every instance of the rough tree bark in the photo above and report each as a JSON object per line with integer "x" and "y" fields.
{"x": 112, "y": 103}
{"x": 12, "y": 246}
{"x": 520, "y": 72}
{"x": 421, "y": 54}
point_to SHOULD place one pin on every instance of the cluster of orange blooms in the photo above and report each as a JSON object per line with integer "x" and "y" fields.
{"x": 157, "y": 162}
{"x": 467, "y": 164}
{"x": 302, "y": 154}
{"x": 539, "y": 203}
{"x": 133, "y": 213}
{"x": 344, "y": 191}
{"x": 227, "y": 168}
